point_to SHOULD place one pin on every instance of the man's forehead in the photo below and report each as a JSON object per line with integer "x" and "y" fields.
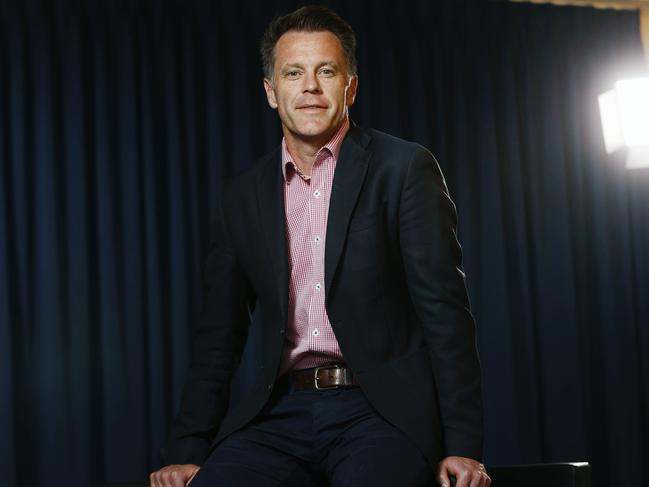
{"x": 294, "y": 43}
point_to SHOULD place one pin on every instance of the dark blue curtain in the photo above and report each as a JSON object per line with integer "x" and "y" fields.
{"x": 119, "y": 120}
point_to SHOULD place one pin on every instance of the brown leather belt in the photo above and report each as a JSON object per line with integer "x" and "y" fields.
{"x": 322, "y": 378}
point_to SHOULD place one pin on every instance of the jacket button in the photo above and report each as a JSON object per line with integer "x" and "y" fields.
{"x": 281, "y": 332}
{"x": 270, "y": 387}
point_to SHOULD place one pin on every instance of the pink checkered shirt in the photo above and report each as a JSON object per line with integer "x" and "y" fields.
{"x": 309, "y": 339}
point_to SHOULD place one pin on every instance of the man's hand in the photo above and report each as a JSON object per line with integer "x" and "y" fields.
{"x": 173, "y": 475}
{"x": 467, "y": 472}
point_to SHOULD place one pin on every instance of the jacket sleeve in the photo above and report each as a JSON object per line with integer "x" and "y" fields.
{"x": 220, "y": 335}
{"x": 436, "y": 283}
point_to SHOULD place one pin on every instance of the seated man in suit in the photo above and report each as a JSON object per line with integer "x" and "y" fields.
{"x": 346, "y": 238}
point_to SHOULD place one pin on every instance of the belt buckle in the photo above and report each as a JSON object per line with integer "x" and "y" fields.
{"x": 317, "y": 372}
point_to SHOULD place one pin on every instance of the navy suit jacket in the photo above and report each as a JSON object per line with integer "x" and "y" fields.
{"x": 395, "y": 296}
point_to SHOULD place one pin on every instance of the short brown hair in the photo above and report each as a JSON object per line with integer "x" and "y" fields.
{"x": 311, "y": 18}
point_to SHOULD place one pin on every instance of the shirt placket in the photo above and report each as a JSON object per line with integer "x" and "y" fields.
{"x": 300, "y": 245}
{"x": 316, "y": 200}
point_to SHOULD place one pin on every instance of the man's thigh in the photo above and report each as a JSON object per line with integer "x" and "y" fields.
{"x": 372, "y": 452}
{"x": 275, "y": 449}
{"x": 242, "y": 460}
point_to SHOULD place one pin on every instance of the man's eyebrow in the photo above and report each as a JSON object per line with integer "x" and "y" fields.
{"x": 288, "y": 66}
{"x": 333, "y": 64}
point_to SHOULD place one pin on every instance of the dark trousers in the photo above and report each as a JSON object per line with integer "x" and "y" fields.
{"x": 316, "y": 438}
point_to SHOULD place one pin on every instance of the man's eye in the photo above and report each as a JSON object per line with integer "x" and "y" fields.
{"x": 327, "y": 72}
{"x": 292, "y": 74}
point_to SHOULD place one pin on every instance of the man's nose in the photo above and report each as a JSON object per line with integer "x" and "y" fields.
{"x": 311, "y": 83}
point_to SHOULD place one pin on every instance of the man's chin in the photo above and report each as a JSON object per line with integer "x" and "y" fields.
{"x": 316, "y": 131}
{"x": 319, "y": 137}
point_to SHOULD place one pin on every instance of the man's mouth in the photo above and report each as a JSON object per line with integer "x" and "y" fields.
{"x": 313, "y": 107}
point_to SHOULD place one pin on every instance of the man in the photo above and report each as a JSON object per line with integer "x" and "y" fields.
{"x": 346, "y": 239}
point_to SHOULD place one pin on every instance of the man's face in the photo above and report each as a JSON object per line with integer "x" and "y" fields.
{"x": 311, "y": 88}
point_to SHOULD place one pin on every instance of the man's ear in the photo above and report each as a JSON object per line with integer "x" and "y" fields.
{"x": 351, "y": 91}
{"x": 270, "y": 93}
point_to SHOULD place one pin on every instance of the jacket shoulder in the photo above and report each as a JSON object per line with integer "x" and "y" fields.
{"x": 393, "y": 150}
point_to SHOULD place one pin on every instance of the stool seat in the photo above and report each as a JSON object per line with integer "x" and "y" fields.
{"x": 576, "y": 474}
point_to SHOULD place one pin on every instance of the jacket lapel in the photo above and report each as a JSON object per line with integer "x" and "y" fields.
{"x": 348, "y": 180}
{"x": 271, "y": 215}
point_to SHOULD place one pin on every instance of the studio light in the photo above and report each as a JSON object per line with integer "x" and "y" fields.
{"x": 625, "y": 120}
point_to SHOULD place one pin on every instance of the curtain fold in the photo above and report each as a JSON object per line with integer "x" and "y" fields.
{"x": 119, "y": 121}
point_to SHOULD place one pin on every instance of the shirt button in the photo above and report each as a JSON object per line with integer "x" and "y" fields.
{"x": 317, "y": 193}
{"x": 317, "y": 239}
{"x": 318, "y": 286}
{"x": 315, "y": 333}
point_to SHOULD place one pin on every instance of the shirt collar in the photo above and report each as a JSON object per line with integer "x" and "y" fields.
{"x": 333, "y": 147}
